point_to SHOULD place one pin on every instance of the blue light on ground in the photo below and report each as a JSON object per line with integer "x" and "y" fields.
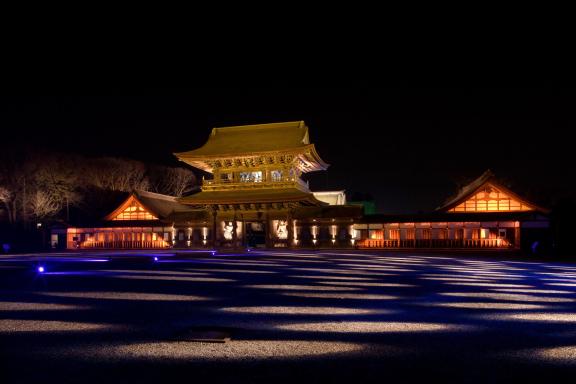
{"x": 40, "y": 269}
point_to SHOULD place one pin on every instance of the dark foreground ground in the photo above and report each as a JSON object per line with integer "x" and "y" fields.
{"x": 347, "y": 317}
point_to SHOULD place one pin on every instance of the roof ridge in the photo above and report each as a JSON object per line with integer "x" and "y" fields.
{"x": 141, "y": 192}
{"x": 297, "y": 123}
{"x": 468, "y": 188}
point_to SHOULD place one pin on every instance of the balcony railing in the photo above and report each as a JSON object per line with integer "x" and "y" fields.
{"x": 118, "y": 244}
{"x": 435, "y": 243}
{"x": 234, "y": 184}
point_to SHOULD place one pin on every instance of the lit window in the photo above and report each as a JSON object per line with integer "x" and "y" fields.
{"x": 425, "y": 233}
{"x": 135, "y": 212}
{"x": 376, "y": 234}
{"x": 490, "y": 200}
{"x": 251, "y": 177}
{"x": 276, "y": 175}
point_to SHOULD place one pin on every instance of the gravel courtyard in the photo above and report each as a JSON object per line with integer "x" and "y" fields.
{"x": 290, "y": 317}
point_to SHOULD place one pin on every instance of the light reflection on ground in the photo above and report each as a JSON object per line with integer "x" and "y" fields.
{"x": 174, "y": 278}
{"x": 223, "y": 270}
{"x": 126, "y": 296}
{"x": 484, "y": 305}
{"x": 291, "y": 305}
{"x": 561, "y": 356}
{"x": 539, "y": 316}
{"x": 342, "y": 272}
{"x": 18, "y": 306}
{"x": 327, "y": 277}
{"x": 246, "y": 351}
{"x": 364, "y": 284}
{"x": 565, "y": 354}
{"x": 508, "y": 296}
{"x": 562, "y": 284}
{"x": 304, "y": 310}
{"x": 474, "y": 284}
{"x": 372, "y": 327}
{"x": 301, "y": 287}
{"x": 11, "y": 326}
{"x": 153, "y": 272}
{"x": 352, "y": 296}
{"x": 520, "y": 290}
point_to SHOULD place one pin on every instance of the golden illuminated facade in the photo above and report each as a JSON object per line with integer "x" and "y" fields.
{"x": 255, "y": 197}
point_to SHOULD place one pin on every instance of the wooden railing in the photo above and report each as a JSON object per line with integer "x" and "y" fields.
{"x": 229, "y": 184}
{"x": 435, "y": 243}
{"x": 118, "y": 244}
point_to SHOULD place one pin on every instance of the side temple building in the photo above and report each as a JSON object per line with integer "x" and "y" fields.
{"x": 257, "y": 198}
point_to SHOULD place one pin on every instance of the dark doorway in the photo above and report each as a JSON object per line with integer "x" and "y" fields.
{"x": 256, "y": 234}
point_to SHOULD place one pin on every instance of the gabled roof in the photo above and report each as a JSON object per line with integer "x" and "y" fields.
{"x": 487, "y": 179}
{"x": 252, "y": 140}
{"x": 156, "y": 204}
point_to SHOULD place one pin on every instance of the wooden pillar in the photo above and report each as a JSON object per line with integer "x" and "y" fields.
{"x": 234, "y": 229}
{"x": 368, "y": 233}
{"x": 268, "y": 233}
{"x": 214, "y": 214}
{"x": 244, "y": 243}
{"x": 289, "y": 221}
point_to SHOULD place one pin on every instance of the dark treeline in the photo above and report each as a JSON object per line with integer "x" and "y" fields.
{"x": 38, "y": 186}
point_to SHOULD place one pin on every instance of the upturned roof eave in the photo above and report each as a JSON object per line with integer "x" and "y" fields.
{"x": 200, "y": 161}
{"x": 489, "y": 180}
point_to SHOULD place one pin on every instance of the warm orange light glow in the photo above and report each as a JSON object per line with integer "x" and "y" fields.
{"x": 491, "y": 200}
{"x": 333, "y": 231}
{"x": 123, "y": 237}
{"x": 314, "y": 231}
{"x": 135, "y": 212}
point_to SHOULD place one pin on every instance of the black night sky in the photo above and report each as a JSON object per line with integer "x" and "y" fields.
{"x": 408, "y": 148}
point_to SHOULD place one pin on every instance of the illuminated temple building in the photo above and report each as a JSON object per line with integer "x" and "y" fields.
{"x": 257, "y": 198}
{"x": 484, "y": 214}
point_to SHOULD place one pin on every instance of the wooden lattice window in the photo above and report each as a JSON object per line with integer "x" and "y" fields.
{"x": 491, "y": 199}
{"x": 135, "y": 211}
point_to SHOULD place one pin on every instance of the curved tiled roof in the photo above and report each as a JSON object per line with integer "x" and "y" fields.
{"x": 252, "y": 138}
